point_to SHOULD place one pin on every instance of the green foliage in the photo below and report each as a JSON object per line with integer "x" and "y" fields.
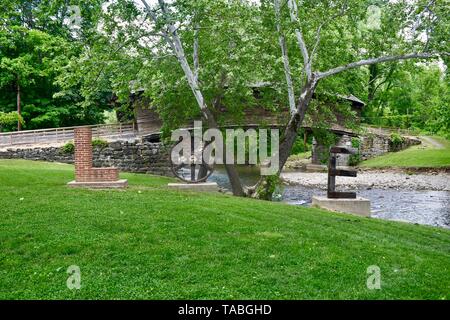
{"x": 69, "y": 77}
{"x": 356, "y": 143}
{"x": 240, "y": 56}
{"x": 8, "y": 121}
{"x": 396, "y": 141}
{"x": 326, "y": 139}
{"x": 300, "y": 146}
{"x": 266, "y": 189}
{"x": 111, "y": 117}
{"x": 68, "y": 148}
{"x": 100, "y": 143}
{"x": 355, "y": 159}
{"x": 35, "y": 48}
{"x": 49, "y": 115}
{"x": 415, "y": 97}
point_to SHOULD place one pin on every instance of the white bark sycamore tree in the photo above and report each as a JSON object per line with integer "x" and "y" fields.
{"x": 298, "y": 106}
{"x": 171, "y": 37}
{"x": 224, "y": 45}
{"x": 313, "y": 77}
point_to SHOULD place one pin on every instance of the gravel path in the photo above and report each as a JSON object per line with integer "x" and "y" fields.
{"x": 433, "y": 142}
{"x": 374, "y": 179}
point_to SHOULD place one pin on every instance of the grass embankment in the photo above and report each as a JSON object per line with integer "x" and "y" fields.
{"x": 149, "y": 242}
{"x": 430, "y": 154}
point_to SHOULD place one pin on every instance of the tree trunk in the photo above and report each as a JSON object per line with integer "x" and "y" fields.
{"x": 305, "y": 140}
{"x": 172, "y": 38}
{"x": 296, "y": 121}
{"x": 373, "y": 74}
{"x": 266, "y": 185}
{"x": 264, "y": 188}
{"x": 19, "y": 111}
{"x": 233, "y": 175}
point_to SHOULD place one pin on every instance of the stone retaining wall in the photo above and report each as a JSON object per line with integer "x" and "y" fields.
{"x": 138, "y": 156}
{"x": 154, "y": 158}
{"x": 374, "y": 145}
{"x": 371, "y": 145}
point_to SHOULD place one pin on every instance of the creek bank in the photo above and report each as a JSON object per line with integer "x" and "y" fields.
{"x": 373, "y": 180}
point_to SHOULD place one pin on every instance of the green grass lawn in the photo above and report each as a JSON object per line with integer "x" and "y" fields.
{"x": 149, "y": 242}
{"x": 425, "y": 155}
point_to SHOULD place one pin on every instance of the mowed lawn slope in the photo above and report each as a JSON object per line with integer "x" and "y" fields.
{"x": 426, "y": 155}
{"x": 152, "y": 243}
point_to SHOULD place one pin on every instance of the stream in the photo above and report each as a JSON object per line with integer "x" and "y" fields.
{"x": 413, "y": 206}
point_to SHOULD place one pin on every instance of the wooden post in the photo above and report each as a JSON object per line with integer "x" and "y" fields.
{"x": 333, "y": 172}
{"x": 305, "y": 139}
{"x": 191, "y": 159}
{"x": 331, "y": 178}
{"x": 19, "y": 111}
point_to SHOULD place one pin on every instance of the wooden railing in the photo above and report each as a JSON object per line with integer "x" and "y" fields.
{"x": 61, "y": 135}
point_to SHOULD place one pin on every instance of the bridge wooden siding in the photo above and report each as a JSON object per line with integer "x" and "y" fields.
{"x": 118, "y": 131}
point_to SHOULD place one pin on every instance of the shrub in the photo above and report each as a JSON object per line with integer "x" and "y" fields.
{"x": 270, "y": 189}
{"x": 396, "y": 141}
{"x": 356, "y": 143}
{"x": 9, "y": 120}
{"x": 68, "y": 148}
{"x": 300, "y": 147}
{"x": 355, "y": 159}
{"x": 99, "y": 143}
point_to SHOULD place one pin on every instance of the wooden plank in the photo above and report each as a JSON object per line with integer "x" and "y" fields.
{"x": 341, "y": 195}
{"x": 331, "y": 178}
{"x": 342, "y": 150}
{"x": 343, "y": 173}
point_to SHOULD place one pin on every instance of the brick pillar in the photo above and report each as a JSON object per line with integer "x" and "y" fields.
{"x": 83, "y": 154}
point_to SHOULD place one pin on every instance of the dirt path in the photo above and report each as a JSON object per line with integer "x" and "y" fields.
{"x": 436, "y": 144}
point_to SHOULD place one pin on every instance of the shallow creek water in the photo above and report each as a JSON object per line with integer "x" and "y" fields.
{"x": 421, "y": 207}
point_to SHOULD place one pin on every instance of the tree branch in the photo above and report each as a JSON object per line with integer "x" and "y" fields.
{"x": 154, "y": 18}
{"x": 367, "y": 62}
{"x": 120, "y": 47}
{"x": 293, "y": 10}
{"x": 418, "y": 20}
{"x": 287, "y": 68}
{"x": 319, "y": 30}
{"x": 196, "y": 51}
{"x": 174, "y": 41}
{"x": 387, "y": 78}
{"x": 172, "y": 38}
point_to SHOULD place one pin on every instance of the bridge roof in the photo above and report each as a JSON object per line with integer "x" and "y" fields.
{"x": 352, "y": 98}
